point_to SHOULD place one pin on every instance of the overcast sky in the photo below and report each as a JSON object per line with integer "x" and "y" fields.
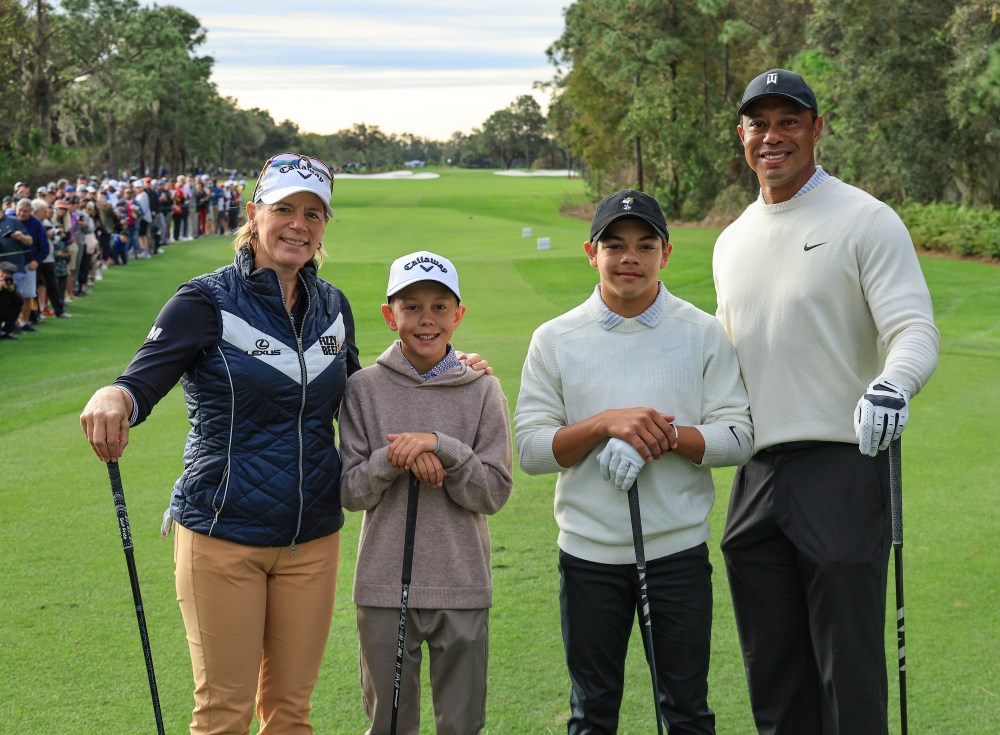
{"x": 429, "y": 68}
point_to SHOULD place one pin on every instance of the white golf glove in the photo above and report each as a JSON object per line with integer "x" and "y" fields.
{"x": 880, "y": 416}
{"x": 620, "y": 463}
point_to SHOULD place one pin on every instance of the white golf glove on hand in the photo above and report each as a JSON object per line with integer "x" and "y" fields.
{"x": 880, "y": 416}
{"x": 620, "y": 463}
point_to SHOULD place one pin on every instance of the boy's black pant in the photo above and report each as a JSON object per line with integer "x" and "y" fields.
{"x": 599, "y": 604}
{"x": 807, "y": 550}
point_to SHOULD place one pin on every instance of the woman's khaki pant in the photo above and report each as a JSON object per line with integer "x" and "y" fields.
{"x": 257, "y": 621}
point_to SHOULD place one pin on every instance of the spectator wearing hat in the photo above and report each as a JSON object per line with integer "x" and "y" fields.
{"x": 178, "y": 202}
{"x": 48, "y": 287}
{"x": 187, "y": 208}
{"x": 221, "y": 216}
{"x": 87, "y": 244}
{"x": 129, "y": 215}
{"x": 145, "y": 217}
{"x": 235, "y": 205}
{"x": 10, "y": 300}
{"x": 159, "y": 205}
{"x": 202, "y": 202}
{"x": 64, "y": 251}
{"x": 64, "y": 248}
{"x": 106, "y": 222}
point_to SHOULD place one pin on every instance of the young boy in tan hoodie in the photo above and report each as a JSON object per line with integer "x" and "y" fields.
{"x": 420, "y": 410}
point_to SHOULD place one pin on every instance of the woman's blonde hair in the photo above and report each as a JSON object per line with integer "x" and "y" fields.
{"x": 246, "y": 235}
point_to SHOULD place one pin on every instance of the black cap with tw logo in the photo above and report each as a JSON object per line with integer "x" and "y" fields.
{"x": 628, "y": 203}
{"x": 779, "y": 83}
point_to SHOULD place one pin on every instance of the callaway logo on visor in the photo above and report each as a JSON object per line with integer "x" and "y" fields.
{"x": 303, "y": 166}
{"x": 310, "y": 170}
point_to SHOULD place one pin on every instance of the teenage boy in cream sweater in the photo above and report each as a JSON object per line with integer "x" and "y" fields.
{"x": 632, "y": 383}
{"x": 419, "y": 409}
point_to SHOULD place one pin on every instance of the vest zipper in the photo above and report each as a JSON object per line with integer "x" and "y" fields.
{"x": 302, "y": 403}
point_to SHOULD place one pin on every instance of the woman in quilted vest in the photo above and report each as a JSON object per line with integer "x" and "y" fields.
{"x": 262, "y": 348}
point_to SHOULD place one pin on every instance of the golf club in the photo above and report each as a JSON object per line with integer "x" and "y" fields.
{"x": 640, "y": 564}
{"x": 412, "y": 499}
{"x": 119, "y": 495}
{"x": 896, "y": 507}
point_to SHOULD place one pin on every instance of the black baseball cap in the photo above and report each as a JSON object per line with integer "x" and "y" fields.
{"x": 779, "y": 83}
{"x": 628, "y": 203}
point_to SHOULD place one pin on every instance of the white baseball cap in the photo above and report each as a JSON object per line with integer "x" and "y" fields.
{"x": 422, "y": 265}
{"x": 289, "y": 173}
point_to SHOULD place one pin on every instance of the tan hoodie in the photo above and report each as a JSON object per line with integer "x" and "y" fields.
{"x": 451, "y": 555}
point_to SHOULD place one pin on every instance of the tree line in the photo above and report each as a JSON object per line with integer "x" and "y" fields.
{"x": 644, "y": 93}
{"x": 99, "y": 85}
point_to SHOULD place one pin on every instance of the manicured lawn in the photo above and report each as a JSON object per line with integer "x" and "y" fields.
{"x": 71, "y": 660}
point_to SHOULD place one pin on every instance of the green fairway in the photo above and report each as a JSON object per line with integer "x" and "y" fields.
{"x": 70, "y": 655}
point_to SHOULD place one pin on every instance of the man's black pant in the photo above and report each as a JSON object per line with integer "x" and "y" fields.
{"x": 47, "y": 275}
{"x": 599, "y": 603}
{"x": 807, "y": 551}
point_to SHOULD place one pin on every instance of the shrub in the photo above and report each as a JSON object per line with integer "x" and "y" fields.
{"x": 953, "y": 229}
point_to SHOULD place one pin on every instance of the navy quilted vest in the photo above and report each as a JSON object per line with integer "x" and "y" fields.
{"x": 260, "y": 465}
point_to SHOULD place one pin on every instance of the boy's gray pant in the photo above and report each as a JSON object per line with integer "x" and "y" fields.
{"x": 457, "y": 641}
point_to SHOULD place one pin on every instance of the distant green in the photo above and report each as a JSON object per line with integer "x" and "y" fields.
{"x": 70, "y": 657}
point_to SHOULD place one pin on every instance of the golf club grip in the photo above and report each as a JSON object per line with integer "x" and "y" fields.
{"x": 896, "y": 490}
{"x": 114, "y": 474}
{"x": 633, "y": 509}
{"x": 412, "y": 499}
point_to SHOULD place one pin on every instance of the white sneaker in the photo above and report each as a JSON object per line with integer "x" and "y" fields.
{"x": 98, "y": 276}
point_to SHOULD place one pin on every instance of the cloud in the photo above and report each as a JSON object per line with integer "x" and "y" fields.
{"x": 429, "y": 68}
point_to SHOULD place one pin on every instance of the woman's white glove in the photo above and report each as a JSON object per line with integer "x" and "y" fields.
{"x": 880, "y": 416}
{"x": 620, "y": 463}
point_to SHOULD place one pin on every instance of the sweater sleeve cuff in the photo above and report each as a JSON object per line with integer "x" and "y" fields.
{"x": 725, "y": 447}
{"x": 538, "y": 458}
{"x": 450, "y": 450}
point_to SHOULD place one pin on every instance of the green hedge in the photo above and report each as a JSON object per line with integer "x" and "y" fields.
{"x": 952, "y": 229}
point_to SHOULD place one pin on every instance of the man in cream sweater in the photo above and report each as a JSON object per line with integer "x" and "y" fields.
{"x": 634, "y": 381}
{"x": 816, "y": 281}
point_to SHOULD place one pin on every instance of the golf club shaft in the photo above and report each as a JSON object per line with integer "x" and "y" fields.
{"x": 896, "y": 507}
{"x": 123, "y": 526}
{"x": 646, "y": 620}
{"x": 412, "y": 499}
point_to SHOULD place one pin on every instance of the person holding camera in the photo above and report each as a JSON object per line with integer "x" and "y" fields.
{"x": 10, "y": 300}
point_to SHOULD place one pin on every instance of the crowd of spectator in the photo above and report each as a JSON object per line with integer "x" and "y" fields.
{"x": 56, "y": 239}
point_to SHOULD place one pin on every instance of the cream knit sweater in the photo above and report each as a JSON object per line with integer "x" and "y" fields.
{"x": 684, "y": 366}
{"x": 811, "y": 292}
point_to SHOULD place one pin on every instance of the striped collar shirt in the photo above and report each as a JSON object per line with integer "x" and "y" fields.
{"x": 449, "y": 361}
{"x": 818, "y": 177}
{"x": 609, "y": 319}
